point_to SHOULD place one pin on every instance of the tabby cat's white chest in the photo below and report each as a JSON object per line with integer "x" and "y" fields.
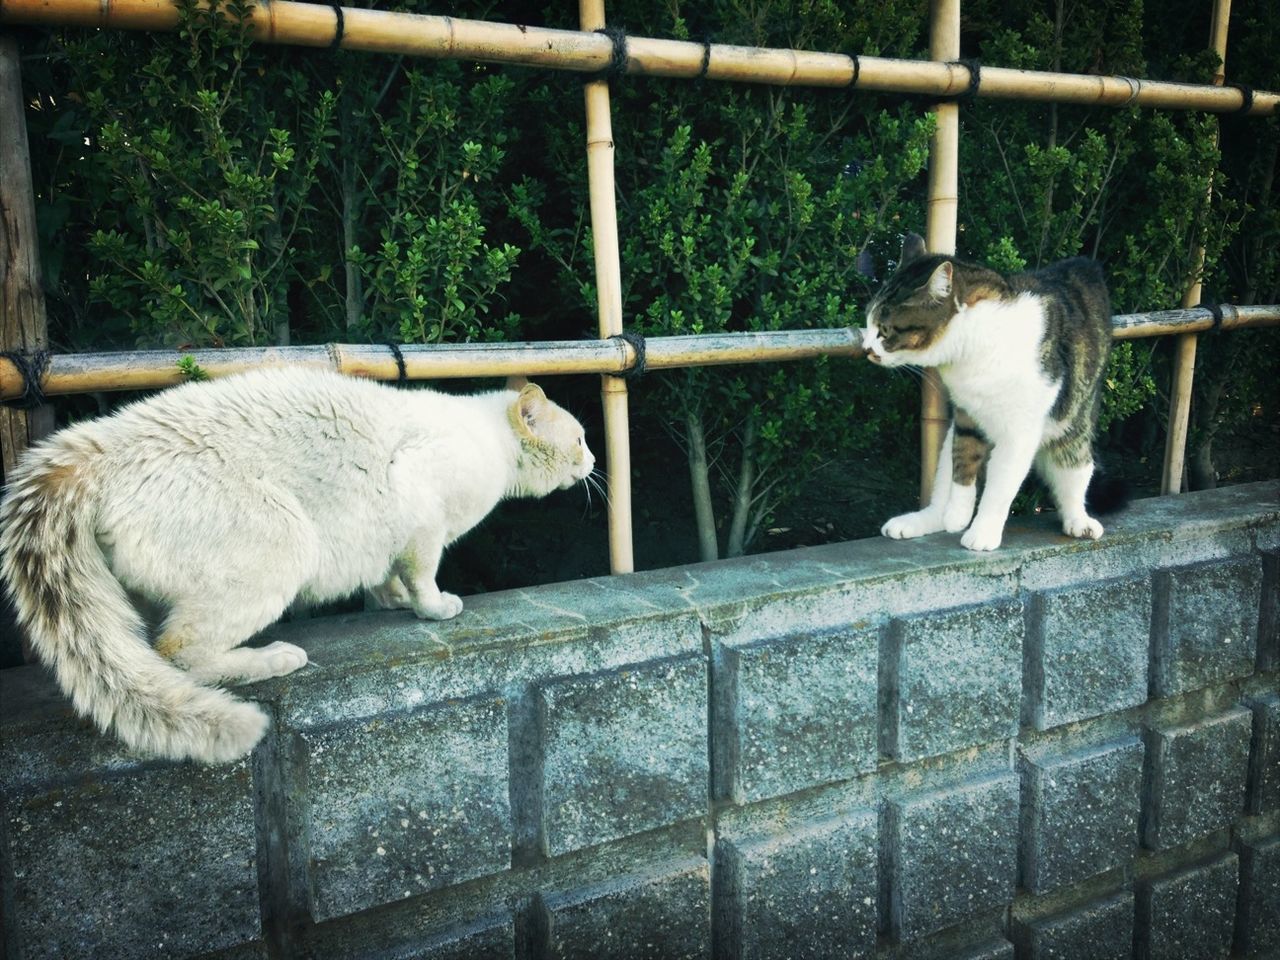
{"x": 995, "y": 374}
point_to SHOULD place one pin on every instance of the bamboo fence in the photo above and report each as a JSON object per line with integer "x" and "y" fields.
{"x": 587, "y": 51}
{"x": 381, "y": 31}
{"x": 151, "y": 369}
{"x": 604, "y": 233}
{"x": 22, "y": 314}
{"x": 1184, "y": 357}
{"x": 941, "y": 216}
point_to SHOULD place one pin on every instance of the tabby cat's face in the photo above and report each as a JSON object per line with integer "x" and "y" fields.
{"x": 904, "y": 320}
{"x": 908, "y": 318}
{"x": 910, "y": 312}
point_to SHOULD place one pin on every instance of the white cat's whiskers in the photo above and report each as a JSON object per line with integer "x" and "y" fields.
{"x": 593, "y": 480}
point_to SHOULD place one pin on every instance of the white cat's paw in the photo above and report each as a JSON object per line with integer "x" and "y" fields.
{"x": 981, "y": 536}
{"x": 909, "y": 525}
{"x": 281, "y": 658}
{"x": 1086, "y": 528}
{"x": 446, "y": 607}
{"x": 391, "y": 596}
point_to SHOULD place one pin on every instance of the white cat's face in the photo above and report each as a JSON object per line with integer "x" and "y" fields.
{"x": 554, "y": 452}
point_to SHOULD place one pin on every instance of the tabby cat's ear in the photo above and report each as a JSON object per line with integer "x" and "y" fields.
{"x": 528, "y": 409}
{"x": 939, "y": 284}
{"x": 912, "y": 248}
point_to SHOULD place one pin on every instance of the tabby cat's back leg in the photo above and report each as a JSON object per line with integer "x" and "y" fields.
{"x": 1067, "y": 474}
{"x": 969, "y": 453}
{"x": 919, "y": 523}
{"x": 1010, "y": 462}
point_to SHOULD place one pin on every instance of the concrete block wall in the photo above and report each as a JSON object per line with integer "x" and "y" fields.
{"x": 872, "y": 749}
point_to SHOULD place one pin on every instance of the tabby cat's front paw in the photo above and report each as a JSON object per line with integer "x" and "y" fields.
{"x": 909, "y": 525}
{"x": 1084, "y": 527}
{"x": 981, "y": 536}
{"x": 446, "y": 607}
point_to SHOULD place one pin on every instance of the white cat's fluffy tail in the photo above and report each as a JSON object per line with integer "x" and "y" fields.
{"x": 82, "y": 625}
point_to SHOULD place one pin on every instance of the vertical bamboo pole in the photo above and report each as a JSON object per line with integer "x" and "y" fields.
{"x": 22, "y": 316}
{"x": 1184, "y": 355}
{"x": 940, "y": 223}
{"x": 604, "y": 231}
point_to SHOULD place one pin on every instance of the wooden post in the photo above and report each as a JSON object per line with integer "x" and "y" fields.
{"x": 940, "y": 224}
{"x": 604, "y": 231}
{"x": 1184, "y": 354}
{"x": 22, "y": 317}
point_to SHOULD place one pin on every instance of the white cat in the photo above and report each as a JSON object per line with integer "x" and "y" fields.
{"x": 222, "y": 502}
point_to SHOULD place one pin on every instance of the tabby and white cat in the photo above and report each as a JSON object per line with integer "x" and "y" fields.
{"x": 222, "y": 502}
{"x": 1022, "y": 358}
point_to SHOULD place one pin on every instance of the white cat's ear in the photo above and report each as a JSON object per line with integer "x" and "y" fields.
{"x": 527, "y": 411}
{"x": 517, "y": 383}
{"x": 940, "y": 281}
{"x": 912, "y": 248}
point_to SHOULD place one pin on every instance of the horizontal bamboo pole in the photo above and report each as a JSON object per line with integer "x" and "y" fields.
{"x": 1131, "y": 326}
{"x": 148, "y": 369}
{"x": 315, "y": 25}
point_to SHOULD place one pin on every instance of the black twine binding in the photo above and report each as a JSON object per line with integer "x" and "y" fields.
{"x": 706, "y": 58}
{"x": 637, "y": 344}
{"x": 618, "y": 62}
{"x": 32, "y": 367}
{"x": 1246, "y": 92}
{"x": 403, "y": 377}
{"x": 857, "y": 71}
{"x": 1216, "y": 310}
{"x": 342, "y": 26}
{"x": 974, "y": 66}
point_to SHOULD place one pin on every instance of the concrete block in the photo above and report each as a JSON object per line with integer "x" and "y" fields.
{"x": 951, "y": 854}
{"x": 1259, "y": 922}
{"x": 1264, "y": 756}
{"x": 1269, "y": 620}
{"x": 1196, "y": 778}
{"x": 1088, "y": 650}
{"x": 667, "y": 917}
{"x": 795, "y": 712}
{"x": 1099, "y": 930}
{"x": 1080, "y": 812}
{"x": 1206, "y": 624}
{"x": 1189, "y": 915}
{"x": 491, "y": 938}
{"x": 808, "y": 893}
{"x": 158, "y": 861}
{"x": 398, "y": 805}
{"x": 958, "y": 944}
{"x": 992, "y": 950}
{"x": 623, "y": 751}
{"x": 952, "y": 679}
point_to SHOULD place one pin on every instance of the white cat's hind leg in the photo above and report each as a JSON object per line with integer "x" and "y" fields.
{"x": 391, "y": 594}
{"x": 205, "y": 640}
